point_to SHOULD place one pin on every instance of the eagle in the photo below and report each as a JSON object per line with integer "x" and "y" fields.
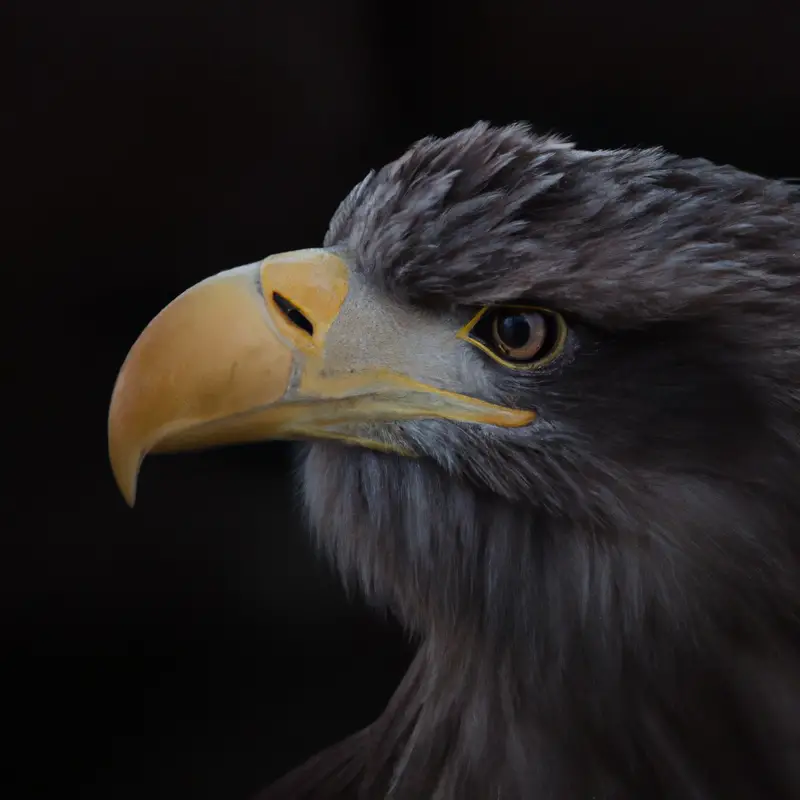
{"x": 547, "y": 402}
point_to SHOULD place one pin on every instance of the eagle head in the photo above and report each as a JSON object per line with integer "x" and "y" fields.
{"x": 549, "y": 401}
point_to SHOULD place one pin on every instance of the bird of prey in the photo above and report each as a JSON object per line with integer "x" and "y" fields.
{"x": 549, "y": 405}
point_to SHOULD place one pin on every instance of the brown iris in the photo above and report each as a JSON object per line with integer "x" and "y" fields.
{"x": 520, "y": 337}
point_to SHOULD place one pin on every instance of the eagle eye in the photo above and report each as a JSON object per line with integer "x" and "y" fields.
{"x": 520, "y": 337}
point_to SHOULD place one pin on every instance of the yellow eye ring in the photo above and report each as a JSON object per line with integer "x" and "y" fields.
{"x": 519, "y": 337}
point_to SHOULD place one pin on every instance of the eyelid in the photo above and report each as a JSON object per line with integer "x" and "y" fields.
{"x": 465, "y": 334}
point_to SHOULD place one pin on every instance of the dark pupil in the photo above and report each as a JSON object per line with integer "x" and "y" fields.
{"x": 514, "y": 331}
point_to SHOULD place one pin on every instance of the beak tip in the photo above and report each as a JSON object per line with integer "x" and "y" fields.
{"x": 130, "y": 497}
{"x": 127, "y": 486}
{"x": 126, "y": 474}
{"x": 124, "y": 455}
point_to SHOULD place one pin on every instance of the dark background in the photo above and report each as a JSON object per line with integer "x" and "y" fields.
{"x": 195, "y": 647}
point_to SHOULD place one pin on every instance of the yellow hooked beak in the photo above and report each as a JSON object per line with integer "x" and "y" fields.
{"x": 244, "y": 356}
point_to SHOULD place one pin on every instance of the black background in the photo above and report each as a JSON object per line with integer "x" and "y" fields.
{"x": 195, "y": 647}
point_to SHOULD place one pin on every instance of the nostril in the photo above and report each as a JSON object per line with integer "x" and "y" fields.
{"x": 293, "y": 313}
